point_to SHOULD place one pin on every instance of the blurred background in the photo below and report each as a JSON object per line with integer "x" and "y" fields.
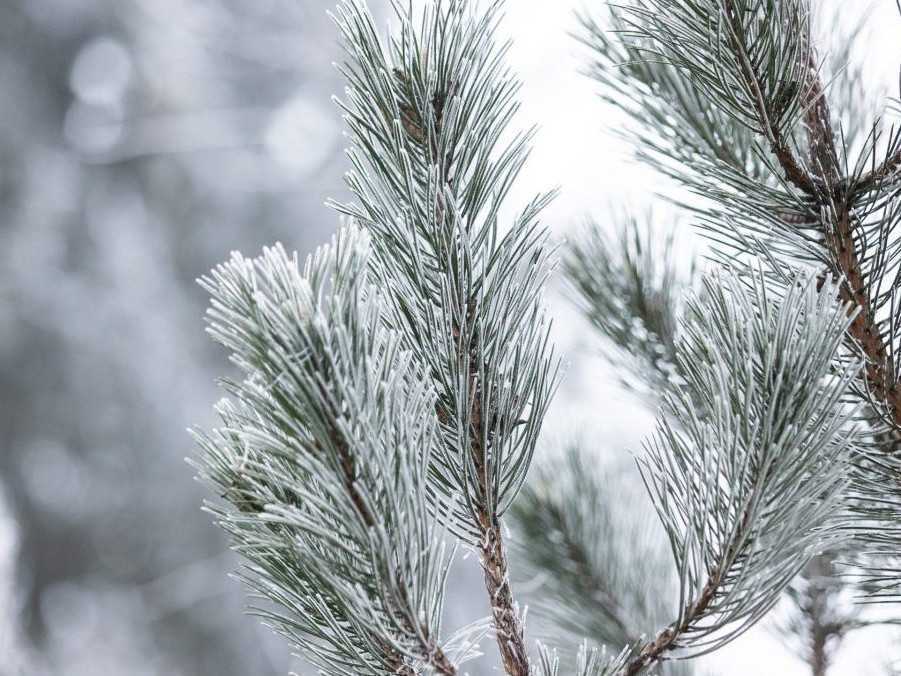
{"x": 140, "y": 142}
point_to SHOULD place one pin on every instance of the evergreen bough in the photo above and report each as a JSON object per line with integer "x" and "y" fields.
{"x": 392, "y": 389}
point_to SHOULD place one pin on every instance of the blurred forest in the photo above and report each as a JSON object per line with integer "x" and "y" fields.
{"x": 140, "y": 142}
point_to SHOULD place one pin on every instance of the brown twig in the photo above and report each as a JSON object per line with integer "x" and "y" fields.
{"x": 507, "y": 624}
{"x": 794, "y": 171}
{"x": 666, "y": 640}
{"x": 879, "y": 372}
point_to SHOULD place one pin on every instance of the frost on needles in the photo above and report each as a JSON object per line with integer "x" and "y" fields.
{"x": 459, "y": 293}
{"x": 433, "y": 161}
{"x": 323, "y": 456}
{"x": 392, "y": 389}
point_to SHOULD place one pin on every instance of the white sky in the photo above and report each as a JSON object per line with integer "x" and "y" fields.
{"x": 575, "y": 149}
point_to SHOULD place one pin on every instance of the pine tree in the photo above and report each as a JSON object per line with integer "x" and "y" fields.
{"x": 392, "y": 389}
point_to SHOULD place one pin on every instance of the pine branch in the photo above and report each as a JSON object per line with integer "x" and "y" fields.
{"x": 748, "y": 472}
{"x": 619, "y": 285}
{"x": 741, "y": 56}
{"x": 783, "y": 87}
{"x": 676, "y": 123}
{"x": 789, "y": 207}
{"x": 602, "y": 570}
{"x": 888, "y": 171}
{"x": 828, "y": 195}
{"x": 779, "y": 144}
{"x": 323, "y": 457}
{"x": 629, "y": 286}
{"x": 427, "y": 114}
{"x": 824, "y": 611}
{"x": 705, "y": 138}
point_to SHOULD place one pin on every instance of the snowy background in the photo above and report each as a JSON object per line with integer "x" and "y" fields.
{"x": 140, "y": 142}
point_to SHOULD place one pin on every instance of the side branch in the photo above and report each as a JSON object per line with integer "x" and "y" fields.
{"x": 507, "y": 624}
{"x": 595, "y": 585}
{"x": 794, "y": 171}
{"x": 437, "y": 659}
{"x": 666, "y": 640}
{"x": 889, "y": 170}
